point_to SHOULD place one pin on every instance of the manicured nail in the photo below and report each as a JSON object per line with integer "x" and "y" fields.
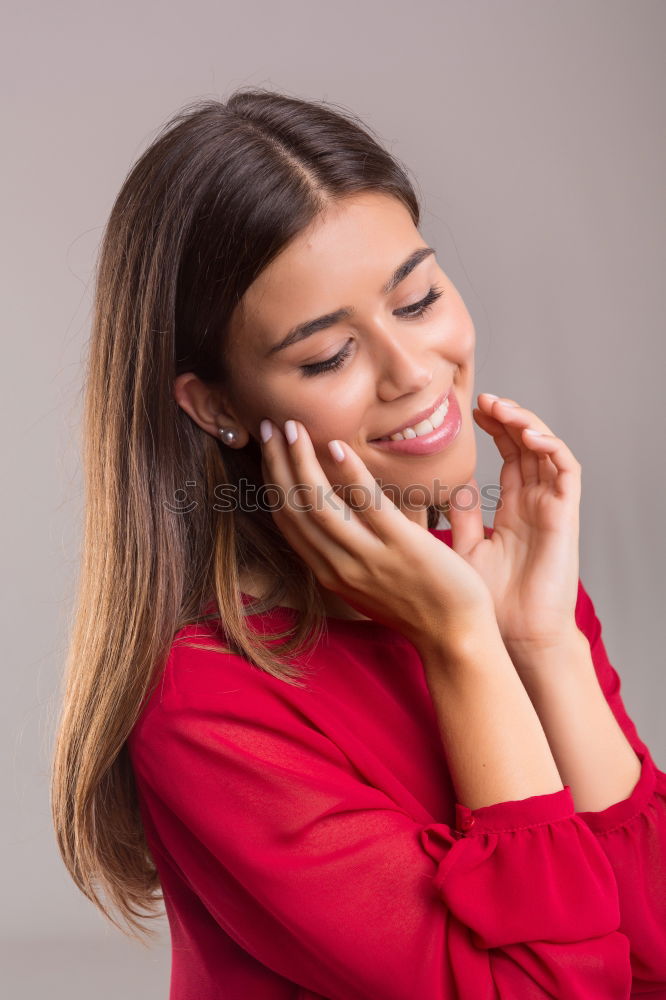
{"x": 266, "y": 430}
{"x": 336, "y": 450}
{"x": 489, "y": 395}
{"x": 528, "y": 430}
{"x": 503, "y": 402}
{"x": 290, "y": 431}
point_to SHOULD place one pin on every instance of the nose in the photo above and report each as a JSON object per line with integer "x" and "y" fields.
{"x": 402, "y": 369}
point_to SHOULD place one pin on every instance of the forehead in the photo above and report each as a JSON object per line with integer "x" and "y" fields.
{"x": 353, "y": 248}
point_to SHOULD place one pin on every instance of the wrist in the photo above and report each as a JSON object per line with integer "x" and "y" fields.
{"x": 571, "y": 647}
{"x": 479, "y": 647}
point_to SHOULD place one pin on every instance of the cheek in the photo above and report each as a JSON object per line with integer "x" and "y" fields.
{"x": 469, "y": 341}
{"x": 330, "y": 410}
{"x": 463, "y": 343}
{"x": 460, "y": 329}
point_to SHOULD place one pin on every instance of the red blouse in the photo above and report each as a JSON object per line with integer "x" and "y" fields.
{"x": 309, "y": 842}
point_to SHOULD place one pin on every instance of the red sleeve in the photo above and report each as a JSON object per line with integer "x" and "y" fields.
{"x": 632, "y": 832}
{"x": 325, "y": 880}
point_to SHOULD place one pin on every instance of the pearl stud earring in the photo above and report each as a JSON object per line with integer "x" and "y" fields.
{"x": 228, "y": 435}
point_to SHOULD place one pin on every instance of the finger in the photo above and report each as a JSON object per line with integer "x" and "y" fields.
{"x": 464, "y": 514}
{"x": 375, "y": 513}
{"x": 326, "y": 532}
{"x": 567, "y": 480}
{"x": 299, "y": 498}
{"x": 514, "y": 418}
{"x": 488, "y": 401}
{"x": 547, "y": 468}
{"x": 306, "y": 536}
{"x": 536, "y": 467}
{"x": 511, "y": 477}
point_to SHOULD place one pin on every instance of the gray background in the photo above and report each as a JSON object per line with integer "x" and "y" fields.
{"x": 535, "y": 129}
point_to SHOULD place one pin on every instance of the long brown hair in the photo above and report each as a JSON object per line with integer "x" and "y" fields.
{"x": 218, "y": 194}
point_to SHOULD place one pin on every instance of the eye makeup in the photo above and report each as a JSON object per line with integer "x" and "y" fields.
{"x": 414, "y": 311}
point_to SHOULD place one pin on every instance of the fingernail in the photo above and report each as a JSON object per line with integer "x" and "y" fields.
{"x": 290, "y": 431}
{"x": 266, "y": 430}
{"x": 489, "y": 395}
{"x": 336, "y": 450}
{"x": 504, "y": 403}
{"x": 528, "y": 430}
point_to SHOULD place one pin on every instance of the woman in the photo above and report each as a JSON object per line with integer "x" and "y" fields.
{"x": 363, "y": 756}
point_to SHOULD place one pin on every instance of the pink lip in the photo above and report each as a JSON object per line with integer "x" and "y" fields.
{"x": 418, "y": 417}
{"x": 428, "y": 444}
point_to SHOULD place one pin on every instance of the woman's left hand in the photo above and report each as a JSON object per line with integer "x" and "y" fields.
{"x": 531, "y": 562}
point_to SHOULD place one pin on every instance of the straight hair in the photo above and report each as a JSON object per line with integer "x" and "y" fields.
{"x": 220, "y": 192}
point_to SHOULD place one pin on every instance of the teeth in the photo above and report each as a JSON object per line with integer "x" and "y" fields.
{"x": 435, "y": 420}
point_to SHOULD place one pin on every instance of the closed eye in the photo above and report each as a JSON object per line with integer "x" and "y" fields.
{"x": 416, "y": 310}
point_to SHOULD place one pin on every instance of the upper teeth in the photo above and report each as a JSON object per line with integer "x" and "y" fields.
{"x": 424, "y": 427}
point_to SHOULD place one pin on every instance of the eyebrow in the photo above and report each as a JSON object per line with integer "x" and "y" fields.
{"x": 303, "y": 330}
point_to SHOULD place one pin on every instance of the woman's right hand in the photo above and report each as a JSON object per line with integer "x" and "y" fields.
{"x": 378, "y": 560}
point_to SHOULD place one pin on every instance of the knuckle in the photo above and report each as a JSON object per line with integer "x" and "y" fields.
{"x": 326, "y": 518}
{"x": 354, "y": 574}
{"x": 327, "y": 576}
{"x": 299, "y": 498}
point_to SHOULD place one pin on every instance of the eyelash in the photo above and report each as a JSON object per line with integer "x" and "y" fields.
{"x": 415, "y": 311}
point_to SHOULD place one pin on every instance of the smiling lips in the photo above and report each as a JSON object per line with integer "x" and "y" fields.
{"x": 416, "y": 420}
{"x": 428, "y": 439}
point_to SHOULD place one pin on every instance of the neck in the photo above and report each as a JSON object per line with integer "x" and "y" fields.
{"x": 255, "y": 585}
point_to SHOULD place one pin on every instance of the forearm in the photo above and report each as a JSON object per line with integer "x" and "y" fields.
{"x": 592, "y": 753}
{"x": 494, "y": 743}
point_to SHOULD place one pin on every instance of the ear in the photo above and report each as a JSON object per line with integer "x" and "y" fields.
{"x": 208, "y": 407}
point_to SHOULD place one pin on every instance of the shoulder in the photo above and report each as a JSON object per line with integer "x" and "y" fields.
{"x": 199, "y": 674}
{"x": 203, "y": 683}
{"x": 211, "y": 704}
{"x": 200, "y": 665}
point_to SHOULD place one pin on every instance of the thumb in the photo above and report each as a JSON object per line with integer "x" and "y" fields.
{"x": 465, "y": 517}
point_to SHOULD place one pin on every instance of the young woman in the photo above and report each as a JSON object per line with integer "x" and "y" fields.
{"x": 363, "y": 757}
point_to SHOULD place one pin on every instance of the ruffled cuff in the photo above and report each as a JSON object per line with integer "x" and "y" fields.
{"x": 524, "y": 870}
{"x": 515, "y": 814}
